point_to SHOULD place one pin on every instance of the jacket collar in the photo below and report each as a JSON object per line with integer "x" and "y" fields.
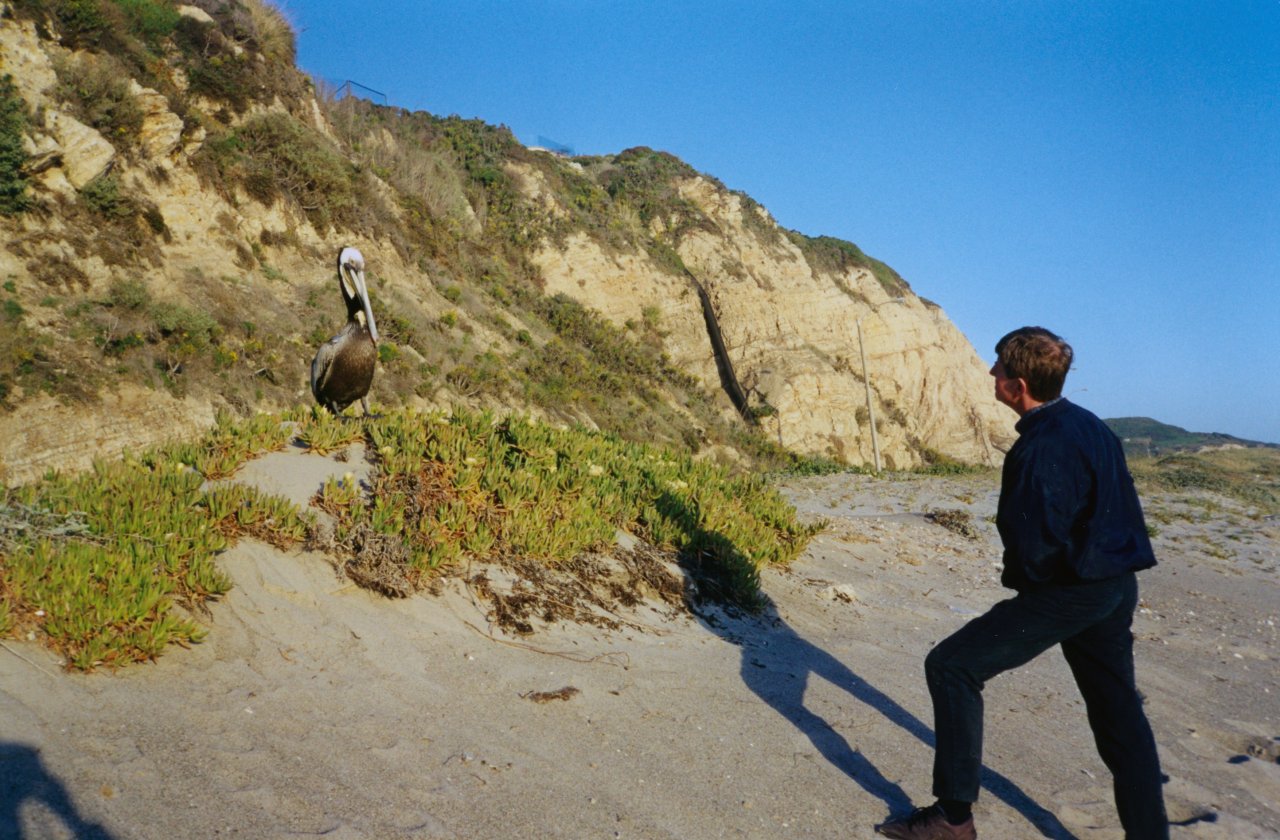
{"x": 1041, "y": 413}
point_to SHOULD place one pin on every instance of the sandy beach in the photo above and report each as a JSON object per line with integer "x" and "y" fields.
{"x": 317, "y": 708}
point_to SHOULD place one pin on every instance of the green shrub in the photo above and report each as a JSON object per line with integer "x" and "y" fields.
{"x": 129, "y": 293}
{"x": 118, "y": 344}
{"x": 483, "y": 152}
{"x": 645, "y": 180}
{"x": 102, "y": 195}
{"x": 608, "y": 345}
{"x": 484, "y": 374}
{"x": 13, "y": 125}
{"x": 96, "y": 87}
{"x": 826, "y": 253}
{"x": 273, "y": 155}
{"x": 228, "y": 78}
{"x": 84, "y": 21}
{"x": 214, "y": 67}
{"x": 387, "y": 352}
{"x": 150, "y": 20}
{"x": 190, "y": 331}
{"x": 756, "y": 219}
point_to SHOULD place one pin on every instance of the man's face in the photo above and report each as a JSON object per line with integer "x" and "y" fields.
{"x": 1007, "y": 390}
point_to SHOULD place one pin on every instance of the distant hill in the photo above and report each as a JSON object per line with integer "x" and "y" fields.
{"x": 1144, "y": 436}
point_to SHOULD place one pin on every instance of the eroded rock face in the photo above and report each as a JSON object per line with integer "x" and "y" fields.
{"x": 23, "y": 58}
{"x": 85, "y": 153}
{"x": 791, "y": 334}
{"x": 161, "y": 128}
{"x": 42, "y": 434}
{"x": 62, "y": 142}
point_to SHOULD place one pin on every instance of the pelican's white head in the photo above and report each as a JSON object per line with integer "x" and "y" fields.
{"x": 351, "y": 278}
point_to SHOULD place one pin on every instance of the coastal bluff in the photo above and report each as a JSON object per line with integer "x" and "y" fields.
{"x": 172, "y": 259}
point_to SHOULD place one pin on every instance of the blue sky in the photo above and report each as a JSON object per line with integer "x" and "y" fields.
{"x": 1110, "y": 170}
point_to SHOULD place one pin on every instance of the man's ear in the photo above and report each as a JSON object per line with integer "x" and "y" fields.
{"x": 1022, "y": 395}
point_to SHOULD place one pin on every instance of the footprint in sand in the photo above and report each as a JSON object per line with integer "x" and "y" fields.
{"x": 1250, "y": 761}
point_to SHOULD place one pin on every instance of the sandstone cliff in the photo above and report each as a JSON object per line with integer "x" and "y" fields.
{"x": 791, "y": 331}
{"x": 171, "y": 257}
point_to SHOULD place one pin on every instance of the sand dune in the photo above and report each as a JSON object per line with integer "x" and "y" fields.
{"x": 318, "y": 708}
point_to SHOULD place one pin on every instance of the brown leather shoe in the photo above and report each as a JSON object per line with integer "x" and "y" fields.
{"x": 928, "y": 824}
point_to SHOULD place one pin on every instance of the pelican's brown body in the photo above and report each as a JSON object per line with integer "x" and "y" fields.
{"x": 342, "y": 371}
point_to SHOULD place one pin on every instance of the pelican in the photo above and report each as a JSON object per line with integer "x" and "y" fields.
{"x": 342, "y": 370}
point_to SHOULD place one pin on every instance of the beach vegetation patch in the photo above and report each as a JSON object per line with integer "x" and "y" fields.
{"x": 113, "y": 566}
{"x": 323, "y": 433}
{"x": 470, "y": 486}
{"x": 938, "y": 463}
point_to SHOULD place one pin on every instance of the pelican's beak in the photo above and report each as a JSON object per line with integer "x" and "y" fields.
{"x": 363, "y": 292}
{"x": 353, "y": 286}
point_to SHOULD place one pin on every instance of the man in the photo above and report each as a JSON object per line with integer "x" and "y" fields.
{"x": 1073, "y": 537}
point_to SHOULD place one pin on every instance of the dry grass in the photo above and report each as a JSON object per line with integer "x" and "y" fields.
{"x": 1250, "y": 475}
{"x": 275, "y": 34}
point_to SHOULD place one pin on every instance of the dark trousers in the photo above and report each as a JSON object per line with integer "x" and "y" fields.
{"x": 1092, "y": 623}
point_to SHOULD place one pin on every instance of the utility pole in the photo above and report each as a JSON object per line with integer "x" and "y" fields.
{"x": 866, "y": 380}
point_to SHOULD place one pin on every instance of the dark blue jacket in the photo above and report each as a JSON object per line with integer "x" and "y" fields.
{"x": 1068, "y": 509}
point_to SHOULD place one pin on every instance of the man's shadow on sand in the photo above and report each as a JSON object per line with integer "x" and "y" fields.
{"x": 24, "y": 781}
{"x": 777, "y": 663}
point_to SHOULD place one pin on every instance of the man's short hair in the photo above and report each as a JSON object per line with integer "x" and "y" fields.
{"x": 1037, "y": 356}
